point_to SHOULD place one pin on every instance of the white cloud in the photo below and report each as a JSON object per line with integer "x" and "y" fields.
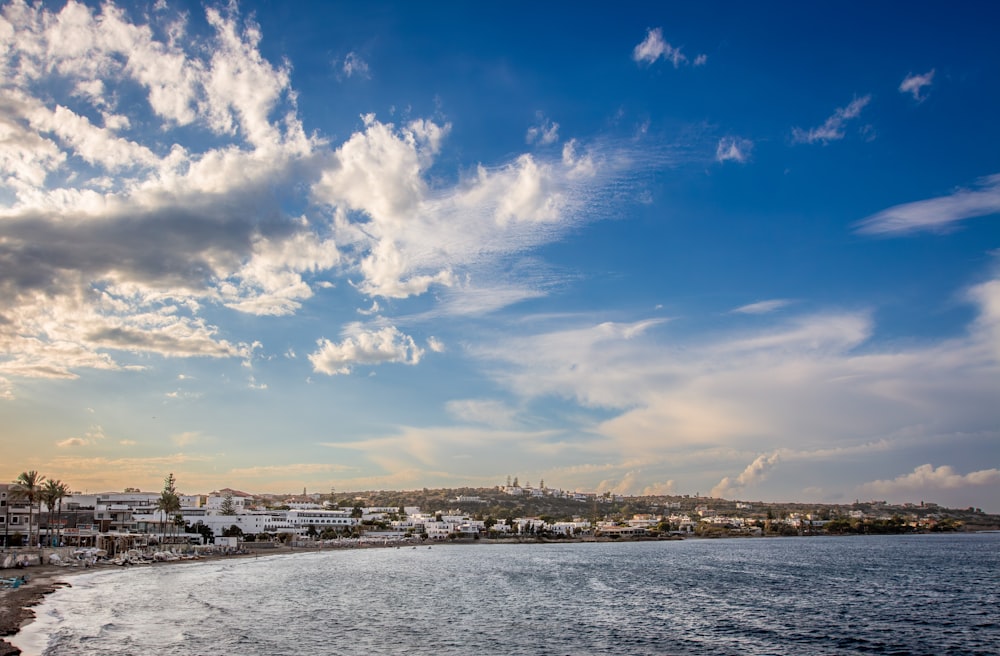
{"x": 91, "y": 437}
{"x": 435, "y": 344}
{"x": 926, "y": 478}
{"x": 482, "y": 411}
{"x": 364, "y": 347}
{"x": 833, "y": 128}
{"x": 762, "y": 307}
{"x": 701, "y": 60}
{"x": 407, "y": 236}
{"x": 628, "y": 484}
{"x": 545, "y": 133}
{"x": 733, "y": 149}
{"x": 755, "y": 472}
{"x": 936, "y": 213}
{"x": 355, "y": 65}
{"x": 914, "y": 84}
{"x": 811, "y": 384}
{"x": 653, "y": 47}
{"x": 118, "y": 252}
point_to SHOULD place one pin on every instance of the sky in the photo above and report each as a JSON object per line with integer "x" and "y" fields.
{"x": 642, "y": 248}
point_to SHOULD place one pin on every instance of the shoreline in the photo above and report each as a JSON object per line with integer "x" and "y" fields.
{"x": 17, "y": 605}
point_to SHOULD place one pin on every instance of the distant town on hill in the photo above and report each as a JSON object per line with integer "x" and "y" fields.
{"x": 51, "y": 515}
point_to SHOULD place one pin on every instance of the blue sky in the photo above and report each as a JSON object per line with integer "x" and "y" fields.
{"x": 674, "y": 249}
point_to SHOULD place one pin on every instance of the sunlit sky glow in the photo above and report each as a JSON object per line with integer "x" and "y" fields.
{"x": 740, "y": 250}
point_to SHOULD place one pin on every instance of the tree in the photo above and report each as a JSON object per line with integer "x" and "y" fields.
{"x": 168, "y": 503}
{"x": 233, "y": 531}
{"x": 28, "y": 487}
{"x": 52, "y": 493}
{"x": 228, "y": 507}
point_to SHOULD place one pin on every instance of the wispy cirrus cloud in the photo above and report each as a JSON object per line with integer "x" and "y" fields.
{"x": 812, "y": 387}
{"x": 762, "y": 307}
{"x": 482, "y": 411}
{"x": 833, "y": 127}
{"x": 936, "y": 214}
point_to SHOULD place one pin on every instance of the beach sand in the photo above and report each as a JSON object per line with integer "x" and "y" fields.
{"x": 16, "y": 605}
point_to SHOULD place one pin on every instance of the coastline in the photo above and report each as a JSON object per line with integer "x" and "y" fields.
{"x": 17, "y": 605}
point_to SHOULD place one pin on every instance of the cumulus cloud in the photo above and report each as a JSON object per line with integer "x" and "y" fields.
{"x": 361, "y": 346}
{"x": 755, "y": 472}
{"x": 927, "y": 478}
{"x": 733, "y": 149}
{"x": 654, "y": 47}
{"x": 120, "y": 250}
{"x": 118, "y": 241}
{"x": 833, "y": 128}
{"x": 936, "y": 214}
{"x": 914, "y": 84}
{"x": 409, "y": 236}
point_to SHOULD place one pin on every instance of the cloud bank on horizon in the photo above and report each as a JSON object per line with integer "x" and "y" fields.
{"x": 230, "y": 254}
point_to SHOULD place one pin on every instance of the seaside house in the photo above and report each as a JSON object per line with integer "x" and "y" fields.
{"x": 14, "y": 515}
{"x": 114, "y": 512}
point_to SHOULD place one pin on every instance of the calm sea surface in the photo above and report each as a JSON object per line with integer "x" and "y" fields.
{"x": 933, "y": 594}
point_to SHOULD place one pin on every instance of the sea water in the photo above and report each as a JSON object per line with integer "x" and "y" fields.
{"x": 927, "y": 594}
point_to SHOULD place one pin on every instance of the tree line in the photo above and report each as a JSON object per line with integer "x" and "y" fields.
{"x": 33, "y": 488}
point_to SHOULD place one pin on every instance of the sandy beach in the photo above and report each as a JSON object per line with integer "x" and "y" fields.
{"x": 16, "y": 605}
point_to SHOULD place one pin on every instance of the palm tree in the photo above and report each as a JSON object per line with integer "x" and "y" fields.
{"x": 29, "y": 488}
{"x": 52, "y": 493}
{"x": 64, "y": 492}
